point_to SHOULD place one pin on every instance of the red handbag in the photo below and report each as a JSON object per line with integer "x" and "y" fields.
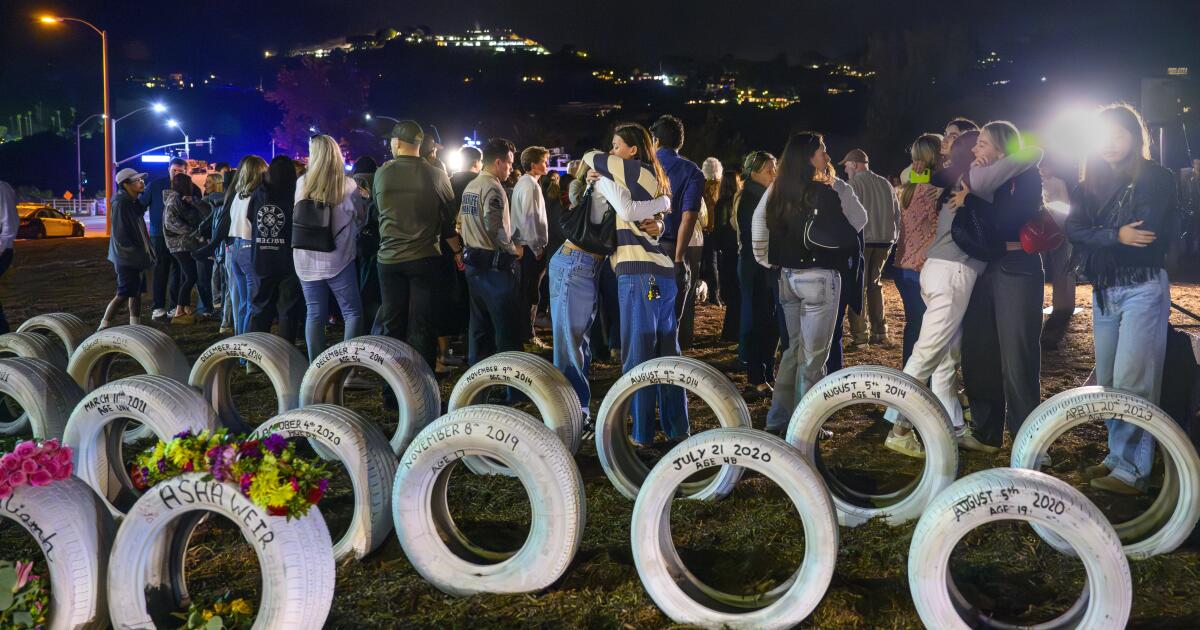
{"x": 1041, "y": 234}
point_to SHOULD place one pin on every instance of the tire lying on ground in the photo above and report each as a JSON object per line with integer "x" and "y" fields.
{"x": 153, "y": 349}
{"x": 1174, "y": 512}
{"x": 537, "y": 378}
{"x": 436, "y": 547}
{"x": 68, "y": 328}
{"x": 893, "y": 388}
{"x": 396, "y": 362}
{"x": 368, "y": 457}
{"x": 74, "y": 531}
{"x": 30, "y": 346}
{"x": 1039, "y": 499}
{"x": 46, "y": 393}
{"x": 295, "y": 556}
{"x": 679, "y": 593}
{"x": 282, "y": 363}
{"x": 617, "y": 455}
{"x": 163, "y": 405}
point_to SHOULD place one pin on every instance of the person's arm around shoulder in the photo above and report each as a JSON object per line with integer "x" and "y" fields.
{"x": 984, "y": 179}
{"x": 626, "y": 208}
{"x": 852, "y": 208}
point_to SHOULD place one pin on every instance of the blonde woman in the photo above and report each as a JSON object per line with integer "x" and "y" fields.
{"x": 249, "y": 195}
{"x": 321, "y": 273}
{"x": 918, "y": 227}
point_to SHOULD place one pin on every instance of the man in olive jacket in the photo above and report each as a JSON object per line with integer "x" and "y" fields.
{"x": 129, "y": 247}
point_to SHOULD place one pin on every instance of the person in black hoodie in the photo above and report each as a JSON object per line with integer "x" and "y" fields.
{"x": 129, "y": 247}
{"x": 1121, "y": 220}
{"x": 277, "y": 292}
{"x": 220, "y": 249}
{"x": 759, "y": 336}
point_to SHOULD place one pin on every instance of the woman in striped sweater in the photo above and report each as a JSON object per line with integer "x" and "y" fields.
{"x": 645, "y": 275}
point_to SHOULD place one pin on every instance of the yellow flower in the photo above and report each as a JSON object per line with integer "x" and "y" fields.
{"x": 208, "y": 614}
{"x": 267, "y": 489}
{"x": 219, "y": 608}
{"x": 240, "y": 606}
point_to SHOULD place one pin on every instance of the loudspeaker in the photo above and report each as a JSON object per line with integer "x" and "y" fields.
{"x": 1162, "y": 100}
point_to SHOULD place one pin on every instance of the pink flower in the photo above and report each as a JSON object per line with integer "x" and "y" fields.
{"x": 5, "y": 490}
{"x": 40, "y": 478}
{"x": 24, "y": 573}
{"x": 51, "y": 445}
{"x": 17, "y": 478}
{"x": 63, "y": 456}
{"x": 63, "y": 471}
{"x": 29, "y": 466}
{"x": 25, "y": 449}
{"x": 10, "y": 461}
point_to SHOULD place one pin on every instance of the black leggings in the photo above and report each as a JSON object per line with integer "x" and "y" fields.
{"x": 187, "y": 277}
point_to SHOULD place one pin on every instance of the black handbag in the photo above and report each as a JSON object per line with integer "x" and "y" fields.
{"x": 595, "y": 238}
{"x": 830, "y": 232}
{"x": 312, "y": 226}
{"x": 974, "y": 231}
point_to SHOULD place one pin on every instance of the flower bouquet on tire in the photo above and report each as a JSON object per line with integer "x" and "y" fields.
{"x": 24, "y": 596}
{"x": 267, "y": 471}
{"x": 34, "y": 464}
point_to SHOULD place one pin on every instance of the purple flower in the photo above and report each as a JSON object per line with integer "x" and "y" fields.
{"x": 246, "y": 480}
{"x": 220, "y": 459}
{"x": 162, "y": 465}
{"x": 249, "y": 449}
{"x": 183, "y": 434}
{"x": 275, "y": 443}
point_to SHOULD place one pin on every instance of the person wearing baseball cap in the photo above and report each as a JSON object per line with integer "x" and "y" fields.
{"x": 883, "y": 227}
{"x": 430, "y": 145}
{"x": 129, "y": 247}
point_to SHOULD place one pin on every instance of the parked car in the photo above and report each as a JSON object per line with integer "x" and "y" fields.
{"x": 39, "y": 221}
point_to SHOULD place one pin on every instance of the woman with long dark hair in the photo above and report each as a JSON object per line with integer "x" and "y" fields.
{"x": 248, "y": 195}
{"x": 1117, "y": 214}
{"x": 277, "y": 292}
{"x": 758, "y": 327}
{"x": 809, "y": 281}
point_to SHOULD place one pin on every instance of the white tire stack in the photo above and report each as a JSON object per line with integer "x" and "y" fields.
{"x": 1041, "y": 500}
{"x": 863, "y": 384}
{"x": 679, "y": 593}
{"x": 163, "y": 405}
{"x": 67, "y": 328}
{"x": 46, "y": 393}
{"x": 75, "y": 532}
{"x": 436, "y": 547}
{"x": 1175, "y": 511}
{"x": 279, "y": 360}
{"x": 31, "y": 345}
{"x": 364, "y": 451}
{"x": 617, "y": 455}
{"x": 396, "y": 362}
{"x": 533, "y": 376}
{"x": 295, "y": 556}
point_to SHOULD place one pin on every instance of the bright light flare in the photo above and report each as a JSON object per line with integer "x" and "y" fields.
{"x": 49, "y": 19}
{"x": 1074, "y": 133}
{"x": 172, "y": 123}
{"x": 158, "y": 108}
{"x": 454, "y": 160}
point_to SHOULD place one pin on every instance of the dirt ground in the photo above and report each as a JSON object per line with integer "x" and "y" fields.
{"x": 749, "y": 542}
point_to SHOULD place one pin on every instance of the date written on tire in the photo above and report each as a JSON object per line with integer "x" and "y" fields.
{"x": 501, "y": 435}
{"x": 997, "y": 502}
{"x": 719, "y": 455}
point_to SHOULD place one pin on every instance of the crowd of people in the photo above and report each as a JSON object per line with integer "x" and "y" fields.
{"x": 617, "y": 252}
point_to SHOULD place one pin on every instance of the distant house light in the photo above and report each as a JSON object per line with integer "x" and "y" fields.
{"x": 1179, "y": 71}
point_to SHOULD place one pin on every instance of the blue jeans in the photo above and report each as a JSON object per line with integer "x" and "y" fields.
{"x": 246, "y": 283}
{"x": 810, "y": 299}
{"x": 908, "y": 283}
{"x": 495, "y": 315}
{"x": 574, "y": 284}
{"x": 344, "y": 287}
{"x": 232, "y": 299}
{"x": 1131, "y": 343}
{"x": 649, "y": 329}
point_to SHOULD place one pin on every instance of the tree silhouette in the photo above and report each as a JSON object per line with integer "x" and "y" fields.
{"x": 329, "y": 96}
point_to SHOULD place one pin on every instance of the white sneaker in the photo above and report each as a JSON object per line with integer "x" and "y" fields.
{"x": 159, "y": 313}
{"x": 906, "y": 444}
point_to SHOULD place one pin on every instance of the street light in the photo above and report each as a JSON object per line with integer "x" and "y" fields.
{"x": 187, "y": 152}
{"x": 368, "y": 117}
{"x": 78, "y": 158}
{"x": 108, "y": 145}
{"x": 157, "y": 108}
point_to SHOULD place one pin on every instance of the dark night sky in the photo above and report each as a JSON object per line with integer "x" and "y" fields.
{"x": 219, "y": 35}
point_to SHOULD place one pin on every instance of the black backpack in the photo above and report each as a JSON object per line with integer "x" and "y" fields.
{"x": 312, "y": 226}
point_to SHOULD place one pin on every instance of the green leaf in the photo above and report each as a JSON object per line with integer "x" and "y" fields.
{"x": 195, "y": 620}
{"x": 214, "y": 624}
{"x": 23, "y": 618}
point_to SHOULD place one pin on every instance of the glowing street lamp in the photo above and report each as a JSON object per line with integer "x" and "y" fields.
{"x": 187, "y": 152}
{"x": 157, "y": 108}
{"x": 108, "y": 137}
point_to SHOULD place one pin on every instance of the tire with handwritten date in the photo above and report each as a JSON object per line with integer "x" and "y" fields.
{"x": 533, "y": 376}
{"x": 676, "y": 590}
{"x": 151, "y": 348}
{"x": 163, "y": 405}
{"x": 45, "y": 393}
{"x": 435, "y": 546}
{"x": 295, "y": 556}
{"x": 400, "y": 366}
{"x": 28, "y": 345}
{"x": 1038, "y": 499}
{"x": 882, "y": 386}
{"x": 279, "y": 360}
{"x": 364, "y": 451}
{"x": 67, "y": 328}
{"x": 74, "y": 532}
{"x": 617, "y": 455}
{"x": 1175, "y": 511}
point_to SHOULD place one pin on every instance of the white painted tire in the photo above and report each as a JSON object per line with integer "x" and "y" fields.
{"x": 364, "y": 451}
{"x": 1039, "y": 499}
{"x": 163, "y": 405}
{"x": 537, "y": 378}
{"x": 295, "y": 556}
{"x": 1174, "y": 512}
{"x": 68, "y": 328}
{"x": 678, "y": 592}
{"x": 74, "y": 532}
{"x": 153, "y": 349}
{"x": 435, "y": 546}
{"x": 46, "y": 393}
{"x": 616, "y": 452}
{"x": 31, "y": 345}
{"x": 893, "y": 388}
{"x": 282, "y": 363}
{"x": 400, "y": 367}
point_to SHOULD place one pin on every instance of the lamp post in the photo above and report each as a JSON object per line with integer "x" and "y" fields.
{"x": 158, "y": 108}
{"x": 187, "y": 152}
{"x": 78, "y": 157}
{"x": 108, "y": 146}
{"x": 368, "y": 117}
